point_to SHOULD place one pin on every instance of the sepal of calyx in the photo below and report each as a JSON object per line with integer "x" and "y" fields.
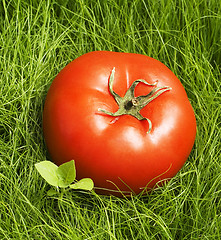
{"x": 131, "y": 105}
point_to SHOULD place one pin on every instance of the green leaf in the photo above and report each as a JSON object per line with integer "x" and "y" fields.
{"x": 52, "y": 192}
{"x": 48, "y": 170}
{"x": 66, "y": 174}
{"x": 84, "y": 184}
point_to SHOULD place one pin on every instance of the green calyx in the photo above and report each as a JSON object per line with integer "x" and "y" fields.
{"x": 131, "y": 105}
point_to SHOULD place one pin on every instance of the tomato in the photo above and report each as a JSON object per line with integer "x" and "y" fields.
{"x": 124, "y": 118}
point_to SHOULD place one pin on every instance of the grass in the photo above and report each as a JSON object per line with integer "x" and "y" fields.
{"x": 37, "y": 39}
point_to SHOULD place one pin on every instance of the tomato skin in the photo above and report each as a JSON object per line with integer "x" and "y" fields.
{"x": 118, "y": 151}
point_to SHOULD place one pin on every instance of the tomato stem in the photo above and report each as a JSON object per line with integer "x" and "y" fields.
{"x": 131, "y": 105}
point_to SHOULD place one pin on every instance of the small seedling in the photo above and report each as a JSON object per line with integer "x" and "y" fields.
{"x": 62, "y": 176}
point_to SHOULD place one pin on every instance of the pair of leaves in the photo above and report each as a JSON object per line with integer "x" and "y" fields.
{"x": 63, "y": 176}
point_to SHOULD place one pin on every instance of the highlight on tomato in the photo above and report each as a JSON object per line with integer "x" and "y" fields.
{"x": 124, "y": 118}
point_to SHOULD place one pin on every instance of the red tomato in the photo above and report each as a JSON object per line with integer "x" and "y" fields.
{"x": 119, "y": 151}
